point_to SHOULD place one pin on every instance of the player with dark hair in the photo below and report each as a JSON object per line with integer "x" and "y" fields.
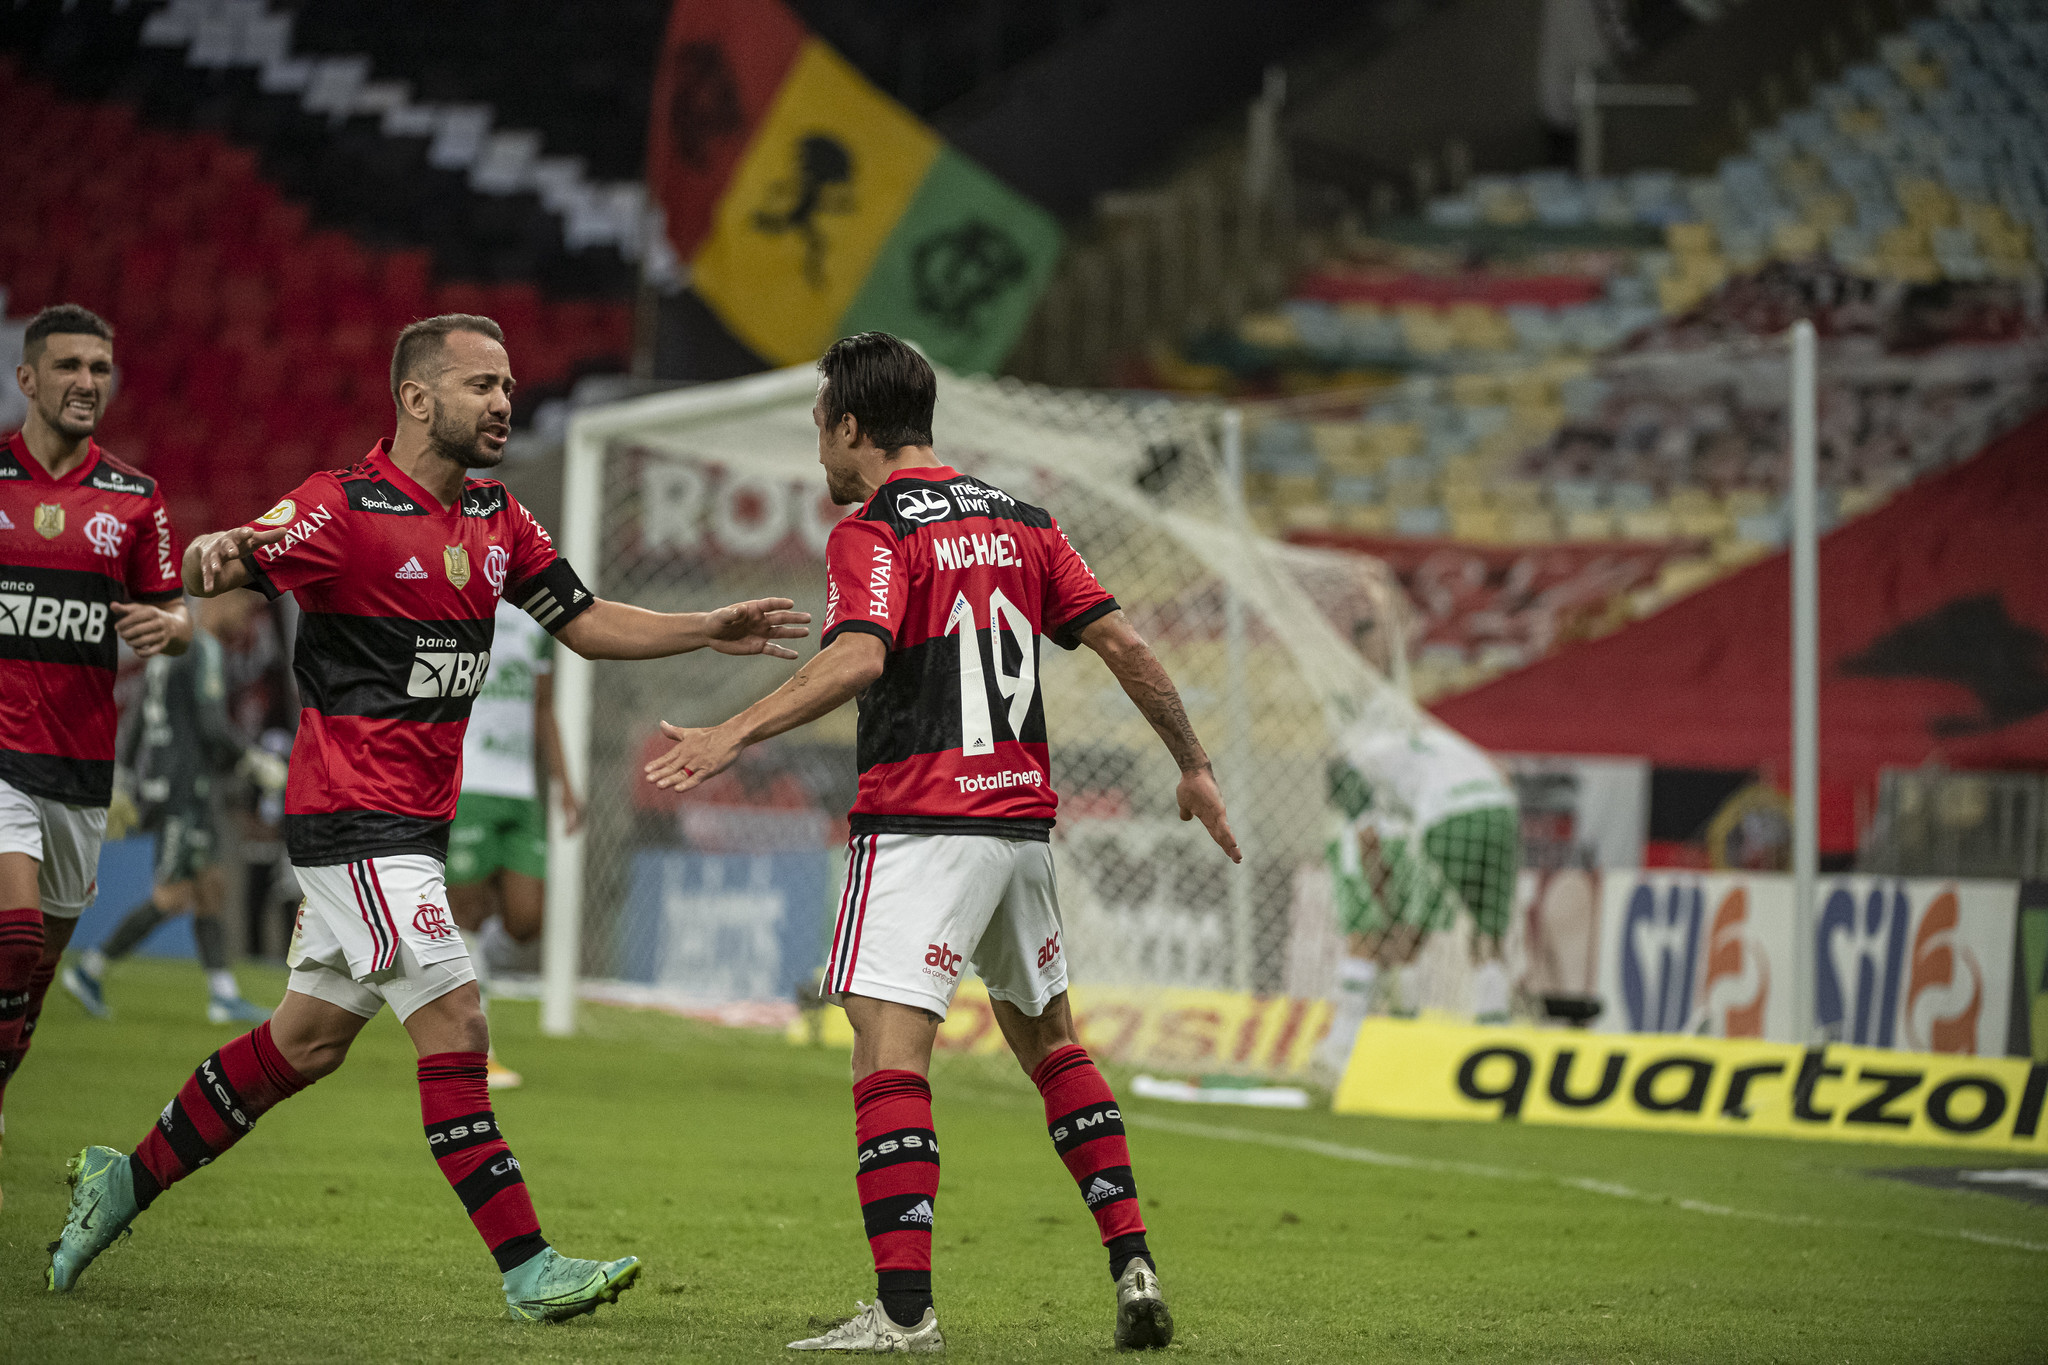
{"x": 398, "y": 564}
{"x": 85, "y": 556}
{"x": 937, "y": 590}
{"x": 174, "y": 741}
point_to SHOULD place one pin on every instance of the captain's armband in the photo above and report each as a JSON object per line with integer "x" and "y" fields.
{"x": 553, "y": 597}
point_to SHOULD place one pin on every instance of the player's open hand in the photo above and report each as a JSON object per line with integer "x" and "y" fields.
{"x": 148, "y": 630}
{"x": 1200, "y": 800}
{"x": 753, "y": 627}
{"x": 697, "y": 757}
{"x": 224, "y": 547}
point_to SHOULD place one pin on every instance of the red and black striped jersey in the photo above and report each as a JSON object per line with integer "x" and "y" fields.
{"x": 959, "y": 579}
{"x": 69, "y": 548}
{"x": 396, "y": 596}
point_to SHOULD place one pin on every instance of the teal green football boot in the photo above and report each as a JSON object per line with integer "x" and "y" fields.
{"x": 551, "y": 1286}
{"x": 102, "y": 1207}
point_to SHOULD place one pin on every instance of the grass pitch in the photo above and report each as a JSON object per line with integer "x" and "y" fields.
{"x": 724, "y": 1160}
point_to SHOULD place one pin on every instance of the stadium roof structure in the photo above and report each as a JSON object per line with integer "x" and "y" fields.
{"x": 1933, "y": 641}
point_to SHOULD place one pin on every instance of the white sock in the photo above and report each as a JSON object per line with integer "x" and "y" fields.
{"x": 1356, "y": 977}
{"x": 1490, "y": 990}
{"x": 222, "y": 984}
{"x": 473, "y": 941}
{"x": 93, "y": 963}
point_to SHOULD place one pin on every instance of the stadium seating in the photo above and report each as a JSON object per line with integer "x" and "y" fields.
{"x": 1626, "y": 391}
{"x": 253, "y": 345}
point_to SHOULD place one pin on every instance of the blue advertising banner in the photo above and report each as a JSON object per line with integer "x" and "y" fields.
{"x": 722, "y": 927}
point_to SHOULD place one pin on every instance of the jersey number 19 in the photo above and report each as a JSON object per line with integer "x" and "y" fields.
{"x": 977, "y": 731}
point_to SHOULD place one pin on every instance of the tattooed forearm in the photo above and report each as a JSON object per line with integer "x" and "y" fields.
{"x": 1145, "y": 682}
{"x": 1154, "y": 692}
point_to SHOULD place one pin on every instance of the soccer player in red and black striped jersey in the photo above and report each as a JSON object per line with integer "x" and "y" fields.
{"x": 937, "y": 591}
{"x": 85, "y": 556}
{"x": 398, "y": 564}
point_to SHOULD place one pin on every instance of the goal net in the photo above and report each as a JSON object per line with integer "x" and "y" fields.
{"x": 696, "y": 498}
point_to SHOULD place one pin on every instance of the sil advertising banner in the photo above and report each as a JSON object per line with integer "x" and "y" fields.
{"x": 1425, "y": 1070}
{"x": 1918, "y": 965}
{"x": 1159, "y": 1026}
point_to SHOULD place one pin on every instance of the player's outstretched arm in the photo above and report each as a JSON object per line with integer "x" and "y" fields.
{"x": 613, "y": 630}
{"x": 835, "y": 675}
{"x": 1145, "y": 682}
{"x": 218, "y": 563}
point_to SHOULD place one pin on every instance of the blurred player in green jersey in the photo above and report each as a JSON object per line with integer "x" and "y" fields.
{"x": 174, "y": 742}
{"x": 498, "y": 845}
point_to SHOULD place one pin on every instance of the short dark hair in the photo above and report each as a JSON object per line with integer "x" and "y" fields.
{"x": 66, "y": 318}
{"x": 887, "y": 386}
{"x": 423, "y": 341}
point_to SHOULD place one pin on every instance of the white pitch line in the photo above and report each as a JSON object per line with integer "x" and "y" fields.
{"x": 1341, "y": 1152}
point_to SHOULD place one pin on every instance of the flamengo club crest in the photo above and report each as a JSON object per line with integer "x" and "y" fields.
{"x": 103, "y": 529}
{"x": 49, "y": 520}
{"x": 456, "y": 560}
{"x": 432, "y": 921}
{"x": 497, "y": 561}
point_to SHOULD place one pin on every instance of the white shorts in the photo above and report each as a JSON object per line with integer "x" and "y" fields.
{"x": 64, "y": 839}
{"x": 377, "y": 932}
{"x": 917, "y": 908}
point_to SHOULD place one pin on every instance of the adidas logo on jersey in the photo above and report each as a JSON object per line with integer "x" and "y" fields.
{"x": 1101, "y": 1190}
{"x": 921, "y": 1213}
{"x": 411, "y": 569}
{"x": 6, "y": 522}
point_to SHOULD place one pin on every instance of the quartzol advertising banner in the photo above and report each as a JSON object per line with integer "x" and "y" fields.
{"x": 1920, "y": 965}
{"x": 1420, "y": 1070}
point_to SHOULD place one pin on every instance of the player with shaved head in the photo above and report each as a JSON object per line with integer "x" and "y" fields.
{"x": 399, "y": 564}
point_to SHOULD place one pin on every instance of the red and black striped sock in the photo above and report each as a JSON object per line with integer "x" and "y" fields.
{"x": 21, "y": 952}
{"x": 897, "y": 1174}
{"x": 1088, "y": 1132}
{"x": 38, "y": 990}
{"x": 217, "y": 1106}
{"x": 455, "y": 1102}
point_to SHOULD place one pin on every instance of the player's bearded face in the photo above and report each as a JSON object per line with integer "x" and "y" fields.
{"x": 473, "y": 439}
{"x": 72, "y": 379}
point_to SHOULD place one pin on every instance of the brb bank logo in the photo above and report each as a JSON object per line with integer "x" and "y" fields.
{"x": 1893, "y": 973}
{"x": 1683, "y": 971}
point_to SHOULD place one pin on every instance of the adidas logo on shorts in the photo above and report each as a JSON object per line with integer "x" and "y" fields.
{"x": 411, "y": 569}
{"x": 921, "y": 1213}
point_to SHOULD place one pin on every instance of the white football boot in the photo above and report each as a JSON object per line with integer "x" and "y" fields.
{"x": 1142, "y": 1322}
{"x": 873, "y": 1332}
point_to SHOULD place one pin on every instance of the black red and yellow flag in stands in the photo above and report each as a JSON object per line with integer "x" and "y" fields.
{"x": 810, "y": 205}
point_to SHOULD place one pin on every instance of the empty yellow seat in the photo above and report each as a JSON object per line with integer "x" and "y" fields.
{"x": 1649, "y": 523}
{"x": 1592, "y": 525}
{"x": 1483, "y": 525}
